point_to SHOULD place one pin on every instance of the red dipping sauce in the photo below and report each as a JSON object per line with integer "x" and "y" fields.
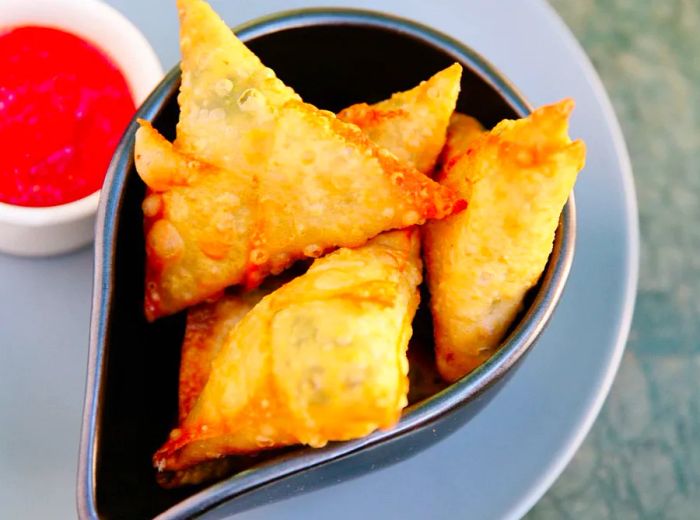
{"x": 63, "y": 108}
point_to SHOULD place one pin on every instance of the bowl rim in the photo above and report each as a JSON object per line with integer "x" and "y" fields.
{"x": 85, "y": 19}
{"x": 417, "y": 416}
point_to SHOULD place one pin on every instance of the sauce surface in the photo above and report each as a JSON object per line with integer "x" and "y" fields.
{"x": 63, "y": 108}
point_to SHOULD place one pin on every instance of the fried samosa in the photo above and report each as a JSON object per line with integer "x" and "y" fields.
{"x": 411, "y": 124}
{"x": 322, "y": 358}
{"x": 257, "y": 178}
{"x": 480, "y": 263}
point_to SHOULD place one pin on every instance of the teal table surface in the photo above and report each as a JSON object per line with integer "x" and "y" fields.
{"x": 642, "y": 457}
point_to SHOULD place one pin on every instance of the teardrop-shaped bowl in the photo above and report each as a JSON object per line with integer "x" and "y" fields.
{"x": 332, "y": 58}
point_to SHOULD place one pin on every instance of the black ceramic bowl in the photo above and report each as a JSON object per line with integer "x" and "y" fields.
{"x": 333, "y": 58}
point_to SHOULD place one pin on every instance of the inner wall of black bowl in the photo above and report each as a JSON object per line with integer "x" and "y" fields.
{"x": 331, "y": 67}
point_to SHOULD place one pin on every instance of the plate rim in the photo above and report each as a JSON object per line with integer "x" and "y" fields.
{"x": 558, "y": 463}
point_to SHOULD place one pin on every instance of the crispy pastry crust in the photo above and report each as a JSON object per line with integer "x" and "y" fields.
{"x": 411, "y": 124}
{"x": 322, "y": 358}
{"x": 480, "y": 263}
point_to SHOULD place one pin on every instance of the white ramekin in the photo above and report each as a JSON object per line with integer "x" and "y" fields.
{"x": 58, "y": 229}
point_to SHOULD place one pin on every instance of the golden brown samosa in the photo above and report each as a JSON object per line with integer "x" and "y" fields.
{"x": 284, "y": 179}
{"x": 411, "y": 124}
{"x": 480, "y": 263}
{"x": 322, "y": 358}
